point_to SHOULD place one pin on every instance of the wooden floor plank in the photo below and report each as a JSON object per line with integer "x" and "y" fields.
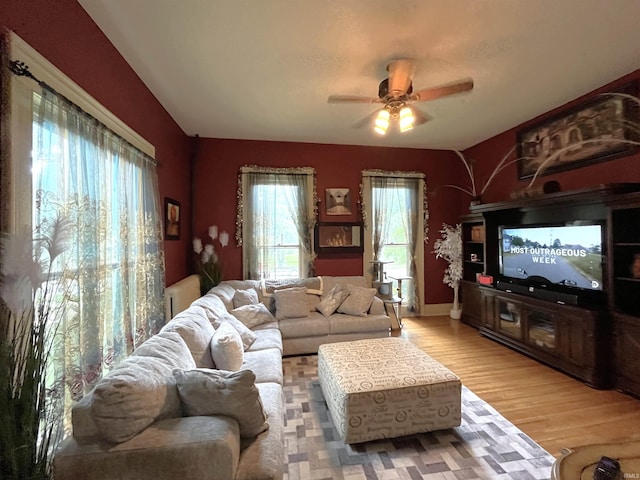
{"x": 554, "y": 409}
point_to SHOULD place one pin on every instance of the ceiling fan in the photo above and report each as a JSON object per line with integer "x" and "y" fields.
{"x": 397, "y": 96}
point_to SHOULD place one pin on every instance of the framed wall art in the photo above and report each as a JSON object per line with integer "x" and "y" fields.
{"x": 171, "y": 219}
{"x": 335, "y": 237}
{"x": 338, "y": 201}
{"x": 594, "y": 131}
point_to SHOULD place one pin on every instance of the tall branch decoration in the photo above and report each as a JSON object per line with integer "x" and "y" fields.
{"x": 33, "y": 295}
{"x": 449, "y": 247}
{"x": 475, "y": 191}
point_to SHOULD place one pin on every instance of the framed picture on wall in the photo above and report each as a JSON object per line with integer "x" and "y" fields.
{"x": 171, "y": 219}
{"x": 596, "y": 130}
{"x": 338, "y": 237}
{"x": 338, "y": 201}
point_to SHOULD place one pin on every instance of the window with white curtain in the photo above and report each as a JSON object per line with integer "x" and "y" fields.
{"x": 64, "y": 161}
{"x": 395, "y": 213}
{"x": 276, "y": 219}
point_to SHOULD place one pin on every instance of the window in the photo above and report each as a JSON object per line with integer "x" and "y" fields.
{"x": 277, "y": 218}
{"x": 67, "y": 162}
{"x": 395, "y": 209}
{"x": 396, "y": 246}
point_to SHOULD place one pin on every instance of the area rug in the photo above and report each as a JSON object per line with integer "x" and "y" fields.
{"x": 486, "y": 445}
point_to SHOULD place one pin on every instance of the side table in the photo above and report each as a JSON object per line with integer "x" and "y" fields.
{"x": 393, "y": 306}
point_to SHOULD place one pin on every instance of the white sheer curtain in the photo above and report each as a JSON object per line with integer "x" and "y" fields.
{"x": 276, "y": 220}
{"x": 109, "y": 191}
{"x": 395, "y": 204}
{"x": 381, "y": 212}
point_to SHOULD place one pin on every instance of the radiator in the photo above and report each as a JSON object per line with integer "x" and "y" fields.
{"x": 178, "y": 297}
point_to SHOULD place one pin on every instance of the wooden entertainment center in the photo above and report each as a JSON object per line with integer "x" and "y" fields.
{"x": 593, "y": 336}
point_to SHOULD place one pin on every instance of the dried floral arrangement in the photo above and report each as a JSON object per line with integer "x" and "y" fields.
{"x": 475, "y": 191}
{"x": 33, "y": 292}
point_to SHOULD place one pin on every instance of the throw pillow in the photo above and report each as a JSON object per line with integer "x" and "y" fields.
{"x": 252, "y": 315}
{"x": 358, "y": 301}
{"x": 377, "y": 307}
{"x": 245, "y": 297}
{"x": 291, "y": 303}
{"x": 330, "y": 302}
{"x": 168, "y": 347}
{"x": 136, "y": 393}
{"x": 196, "y": 330}
{"x": 227, "y": 350}
{"x": 214, "y": 392}
{"x": 312, "y": 301}
{"x": 248, "y": 336}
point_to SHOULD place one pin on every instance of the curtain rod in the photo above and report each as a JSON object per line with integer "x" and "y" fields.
{"x": 395, "y": 174}
{"x": 277, "y": 170}
{"x": 21, "y": 69}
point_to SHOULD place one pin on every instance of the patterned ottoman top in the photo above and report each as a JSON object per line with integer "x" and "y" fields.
{"x": 381, "y": 364}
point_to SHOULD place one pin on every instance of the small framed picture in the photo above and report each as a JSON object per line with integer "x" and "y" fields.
{"x": 338, "y": 201}
{"x": 338, "y": 237}
{"x": 171, "y": 219}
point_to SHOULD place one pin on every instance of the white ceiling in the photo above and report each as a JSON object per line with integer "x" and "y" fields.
{"x": 263, "y": 69}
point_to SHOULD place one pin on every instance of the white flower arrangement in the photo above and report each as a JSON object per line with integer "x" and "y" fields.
{"x": 449, "y": 248}
{"x": 209, "y": 268}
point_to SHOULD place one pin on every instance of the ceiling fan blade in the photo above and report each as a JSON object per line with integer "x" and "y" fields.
{"x": 419, "y": 117}
{"x": 400, "y": 75}
{"x": 368, "y": 120}
{"x": 442, "y": 91}
{"x": 351, "y": 99}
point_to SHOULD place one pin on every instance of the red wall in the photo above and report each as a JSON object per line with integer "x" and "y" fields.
{"x": 489, "y": 153}
{"x": 217, "y": 167}
{"x": 65, "y": 34}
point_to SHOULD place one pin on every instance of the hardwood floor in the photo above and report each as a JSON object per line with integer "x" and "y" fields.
{"x": 556, "y": 410}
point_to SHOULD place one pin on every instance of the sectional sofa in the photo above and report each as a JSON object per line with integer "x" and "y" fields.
{"x": 203, "y": 399}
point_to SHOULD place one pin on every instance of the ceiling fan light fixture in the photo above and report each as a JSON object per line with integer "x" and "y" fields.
{"x": 382, "y": 122}
{"x": 406, "y": 119}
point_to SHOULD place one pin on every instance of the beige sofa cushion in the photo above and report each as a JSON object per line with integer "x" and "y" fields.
{"x": 331, "y": 301}
{"x": 377, "y": 307}
{"x": 358, "y": 301}
{"x": 213, "y": 305}
{"x": 311, "y": 326}
{"x": 226, "y": 348}
{"x": 217, "y": 313}
{"x": 245, "y": 297}
{"x": 253, "y": 315}
{"x": 265, "y": 364}
{"x": 291, "y": 303}
{"x": 246, "y": 334}
{"x": 168, "y": 347}
{"x": 206, "y": 448}
{"x": 196, "y": 330}
{"x": 141, "y": 389}
{"x": 215, "y": 392}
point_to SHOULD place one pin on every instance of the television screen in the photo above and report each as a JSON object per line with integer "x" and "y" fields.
{"x": 569, "y": 256}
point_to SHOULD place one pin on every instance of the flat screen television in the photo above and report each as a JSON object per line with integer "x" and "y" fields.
{"x": 560, "y": 257}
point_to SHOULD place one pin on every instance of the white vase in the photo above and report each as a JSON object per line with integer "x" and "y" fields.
{"x": 456, "y": 311}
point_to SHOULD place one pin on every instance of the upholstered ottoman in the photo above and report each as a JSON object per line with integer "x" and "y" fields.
{"x": 386, "y": 388}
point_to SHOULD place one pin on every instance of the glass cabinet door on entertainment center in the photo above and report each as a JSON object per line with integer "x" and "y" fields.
{"x": 509, "y": 319}
{"x": 542, "y": 331}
